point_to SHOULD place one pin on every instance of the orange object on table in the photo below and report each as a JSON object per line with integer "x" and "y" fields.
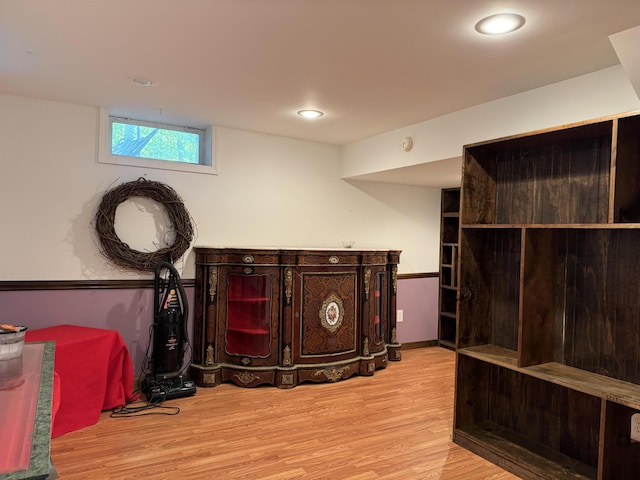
{"x": 95, "y": 373}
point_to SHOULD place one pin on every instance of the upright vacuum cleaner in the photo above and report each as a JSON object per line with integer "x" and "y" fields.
{"x": 166, "y": 378}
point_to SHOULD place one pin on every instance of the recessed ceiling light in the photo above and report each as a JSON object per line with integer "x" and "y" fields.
{"x": 310, "y": 113}
{"x": 500, "y": 23}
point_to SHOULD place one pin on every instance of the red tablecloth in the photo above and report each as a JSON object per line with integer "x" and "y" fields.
{"x": 95, "y": 373}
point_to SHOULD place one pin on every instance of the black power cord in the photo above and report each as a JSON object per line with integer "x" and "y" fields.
{"x": 139, "y": 409}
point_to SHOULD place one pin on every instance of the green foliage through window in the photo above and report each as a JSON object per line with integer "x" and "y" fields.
{"x": 159, "y": 142}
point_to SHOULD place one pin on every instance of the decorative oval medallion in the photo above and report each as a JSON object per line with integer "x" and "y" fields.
{"x": 248, "y": 259}
{"x": 331, "y": 313}
{"x": 333, "y": 259}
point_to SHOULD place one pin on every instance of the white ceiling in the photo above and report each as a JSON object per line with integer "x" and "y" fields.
{"x": 372, "y": 65}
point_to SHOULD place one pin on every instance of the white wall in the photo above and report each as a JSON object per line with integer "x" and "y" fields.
{"x": 271, "y": 191}
{"x": 602, "y": 93}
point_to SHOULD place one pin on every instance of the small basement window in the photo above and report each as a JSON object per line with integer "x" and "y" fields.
{"x": 155, "y": 145}
{"x": 132, "y": 138}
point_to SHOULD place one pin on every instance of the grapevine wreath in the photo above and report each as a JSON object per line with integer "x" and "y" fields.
{"x": 120, "y": 253}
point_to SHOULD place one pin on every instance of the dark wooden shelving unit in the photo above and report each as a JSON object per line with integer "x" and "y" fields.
{"x": 448, "y": 292}
{"x": 548, "y": 341}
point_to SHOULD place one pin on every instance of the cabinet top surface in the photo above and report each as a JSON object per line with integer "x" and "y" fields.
{"x": 295, "y": 249}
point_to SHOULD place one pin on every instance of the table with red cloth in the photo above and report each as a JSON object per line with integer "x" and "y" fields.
{"x": 95, "y": 372}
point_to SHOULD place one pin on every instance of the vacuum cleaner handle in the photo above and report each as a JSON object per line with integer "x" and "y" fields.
{"x": 183, "y": 296}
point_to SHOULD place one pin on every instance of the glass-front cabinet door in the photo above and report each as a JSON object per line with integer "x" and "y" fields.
{"x": 250, "y": 334}
{"x": 249, "y": 315}
{"x": 379, "y": 312}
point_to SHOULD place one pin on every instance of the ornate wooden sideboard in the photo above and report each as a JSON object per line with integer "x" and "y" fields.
{"x": 286, "y": 316}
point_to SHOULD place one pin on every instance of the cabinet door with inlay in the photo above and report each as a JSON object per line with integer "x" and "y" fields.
{"x": 326, "y": 315}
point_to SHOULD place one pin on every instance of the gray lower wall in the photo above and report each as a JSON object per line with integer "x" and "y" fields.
{"x": 130, "y": 311}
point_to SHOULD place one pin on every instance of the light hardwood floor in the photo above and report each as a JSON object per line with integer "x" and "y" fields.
{"x": 393, "y": 425}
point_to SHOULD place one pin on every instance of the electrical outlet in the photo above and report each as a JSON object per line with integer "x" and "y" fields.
{"x": 635, "y": 427}
{"x": 399, "y": 316}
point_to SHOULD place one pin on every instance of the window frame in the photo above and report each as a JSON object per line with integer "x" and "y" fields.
{"x": 209, "y": 157}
